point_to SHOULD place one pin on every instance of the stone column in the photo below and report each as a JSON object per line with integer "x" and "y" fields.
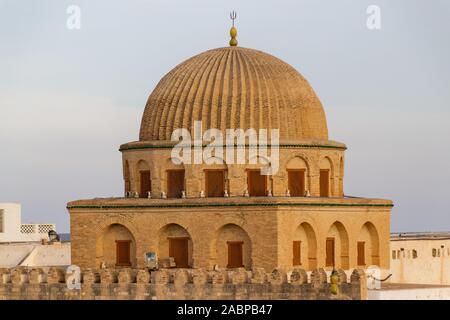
{"x": 237, "y": 180}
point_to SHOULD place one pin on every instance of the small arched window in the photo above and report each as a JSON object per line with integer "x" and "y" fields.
{"x": 434, "y": 252}
{"x": 414, "y": 254}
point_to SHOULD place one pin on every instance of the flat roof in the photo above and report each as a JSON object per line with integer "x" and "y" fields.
{"x": 409, "y": 286}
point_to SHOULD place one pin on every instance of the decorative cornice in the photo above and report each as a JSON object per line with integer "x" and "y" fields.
{"x": 281, "y": 146}
{"x": 197, "y": 205}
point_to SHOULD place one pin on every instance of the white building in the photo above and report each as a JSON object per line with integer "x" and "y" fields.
{"x": 420, "y": 257}
{"x": 419, "y": 268}
{"x": 13, "y": 230}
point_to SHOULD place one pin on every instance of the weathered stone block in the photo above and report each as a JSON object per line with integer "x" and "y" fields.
{"x": 199, "y": 277}
{"x": 298, "y": 276}
{"x": 107, "y": 276}
{"x": 259, "y": 275}
{"x": 238, "y": 276}
{"x": 180, "y": 278}
{"x": 56, "y": 275}
{"x": 18, "y": 276}
{"x": 278, "y": 276}
{"x": 142, "y": 276}
{"x": 358, "y": 275}
{"x": 318, "y": 278}
{"x": 161, "y": 277}
{"x": 218, "y": 277}
{"x": 342, "y": 276}
{"x": 35, "y": 276}
{"x": 88, "y": 277}
{"x": 125, "y": 276}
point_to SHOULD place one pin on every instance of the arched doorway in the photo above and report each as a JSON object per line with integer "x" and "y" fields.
{"x": 176, "y": 242}
{"x": 232, "y": 247}
{"x": 336, "y": 247}
{"x": 116, "y": 247}
{"x": 368, "y": 246}
{"x": 304, "y": 247}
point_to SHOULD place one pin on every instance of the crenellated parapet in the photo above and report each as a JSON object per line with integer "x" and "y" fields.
{"x": 190, "y": 284}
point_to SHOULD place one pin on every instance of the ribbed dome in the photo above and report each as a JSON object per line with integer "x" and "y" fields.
{"x": 230, "y": 88}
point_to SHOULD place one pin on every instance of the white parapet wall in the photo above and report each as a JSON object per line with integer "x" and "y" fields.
{"x": 12, "y": 229}
{"x": 411, "y": 292}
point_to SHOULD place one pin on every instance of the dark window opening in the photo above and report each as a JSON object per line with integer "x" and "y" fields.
{"x": 215, "y": 183}
{"x": 296, "y": 182}
{"x": 361, "y": 253}
{"x": 235, "y": 254}
{"x": 146, "y": 183}
{"x": 330, "y": 252}
{"x": 123, "y": 248}
{"x": 296, "y": 253}
{"x": 175, "y": 183}
{"x": 257, "y": 183}
{"x": 179, "y": 250}
{"x": 324, "y": 183}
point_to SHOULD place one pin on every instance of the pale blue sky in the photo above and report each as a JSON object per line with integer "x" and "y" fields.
{"x": 68, "y": 99}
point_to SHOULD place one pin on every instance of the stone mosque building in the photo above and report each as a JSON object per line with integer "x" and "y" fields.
{"x": 230, "y": 215}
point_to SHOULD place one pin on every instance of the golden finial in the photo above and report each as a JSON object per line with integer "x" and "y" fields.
{"x": 233, "y": 30}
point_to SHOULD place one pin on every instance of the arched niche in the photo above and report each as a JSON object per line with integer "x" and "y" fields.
{"x": 231, "y": 247}
{"x": 368, "y": 246}
{"x": 176, "y": 242}
{"x": 305, "y": 247}
{"x": 298, "y": 180}
{"x": 337, "y": 247}
{"x": 116, "y": 247}
{"x": 326, "y": 177}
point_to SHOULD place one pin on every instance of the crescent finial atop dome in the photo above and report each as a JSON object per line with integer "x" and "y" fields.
{"x": 233, "y": 30}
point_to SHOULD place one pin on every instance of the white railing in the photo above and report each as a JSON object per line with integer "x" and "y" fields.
{"x": 33, "y": 228}
{"x": 45, "y": 228}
